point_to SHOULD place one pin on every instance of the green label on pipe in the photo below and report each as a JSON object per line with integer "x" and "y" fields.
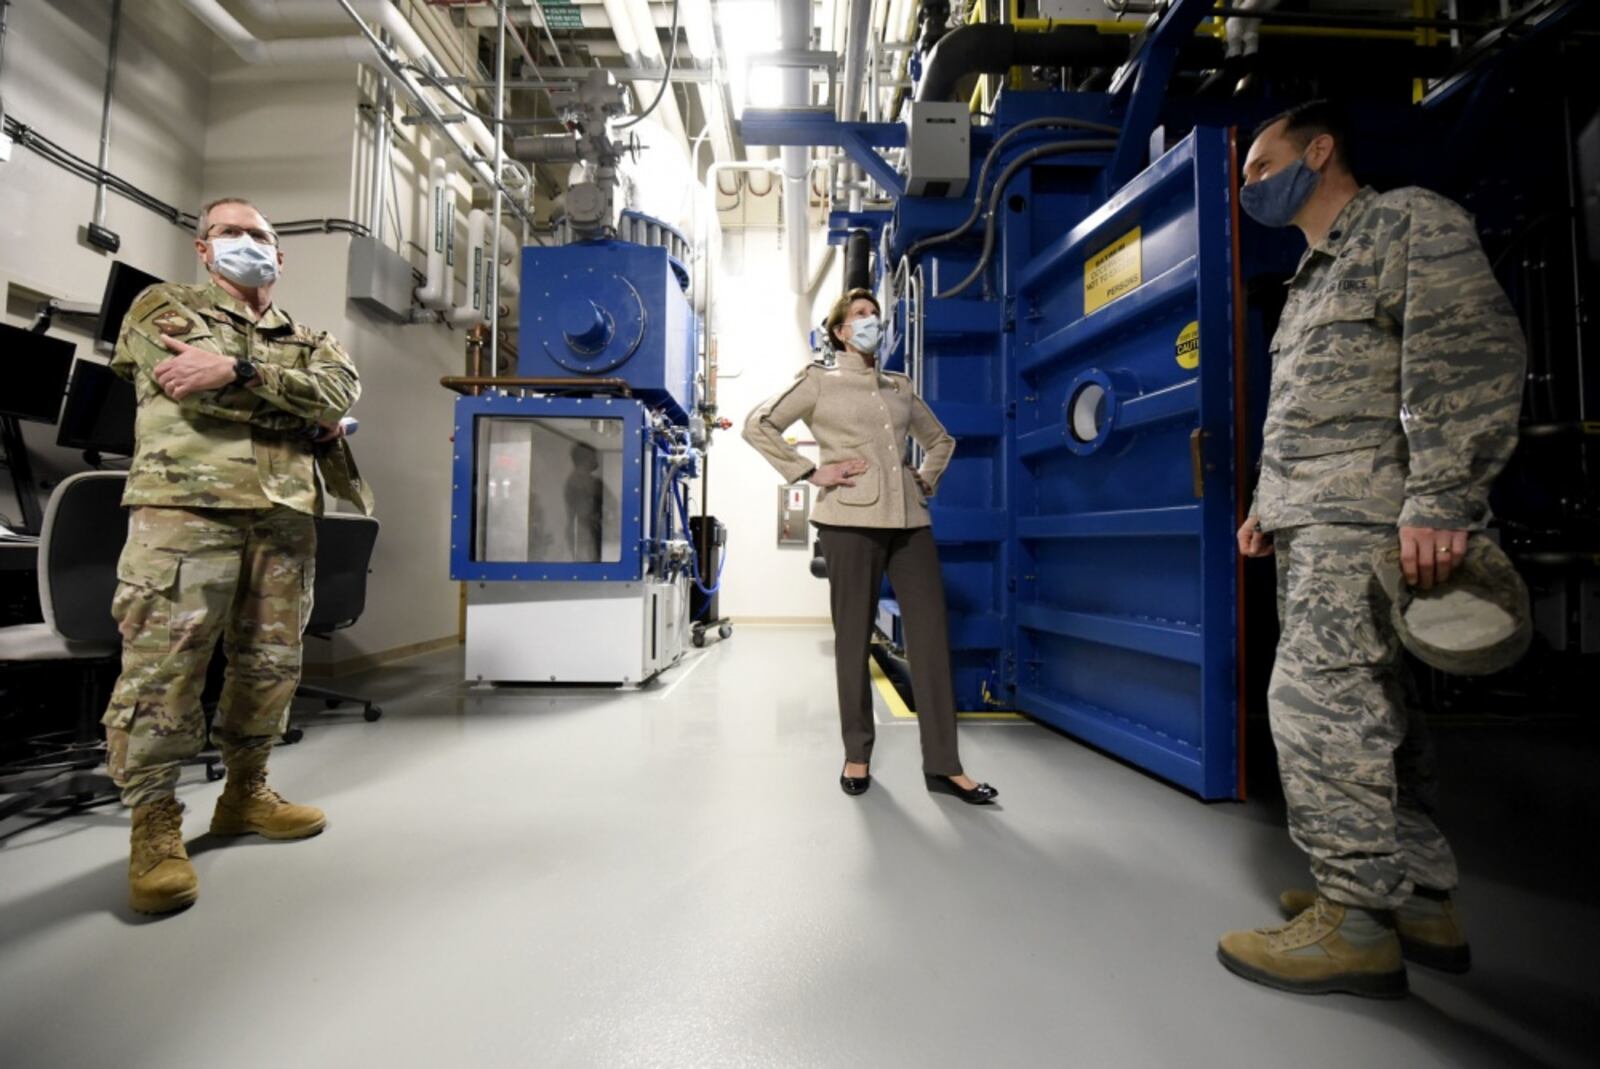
{"x": 438, "y": 219}
{"x": 561, "y": 15}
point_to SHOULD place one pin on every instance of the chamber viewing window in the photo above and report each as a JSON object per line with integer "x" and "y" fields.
{"x": 1086, "y": 416}
{"x": 548, "y": 490}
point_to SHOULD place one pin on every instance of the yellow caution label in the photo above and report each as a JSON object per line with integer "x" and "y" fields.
{"x": 1112, "y": 272}
{"x": 1189, "y": 346}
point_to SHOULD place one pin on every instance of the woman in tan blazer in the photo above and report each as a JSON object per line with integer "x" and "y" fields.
{"x": 872, "y": 519}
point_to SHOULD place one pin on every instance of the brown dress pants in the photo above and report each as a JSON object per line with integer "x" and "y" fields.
{"x": 858, "y": 558}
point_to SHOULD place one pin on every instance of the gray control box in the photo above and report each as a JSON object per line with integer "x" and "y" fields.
{"x": 938, "y": 148}
{"x": 380, "y": 279}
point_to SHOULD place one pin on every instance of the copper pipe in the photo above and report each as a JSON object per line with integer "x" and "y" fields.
{"x": 466, "y": 383}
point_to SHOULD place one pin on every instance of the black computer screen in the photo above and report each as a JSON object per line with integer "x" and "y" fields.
{"x": 99, "y": 411}
{"x": 123, "y": 284}
{"x": 33, "y": 368}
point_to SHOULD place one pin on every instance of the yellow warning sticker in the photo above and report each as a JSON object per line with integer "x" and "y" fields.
{"x": 1112, "y": 272}
{"x": 1189, "y": 346}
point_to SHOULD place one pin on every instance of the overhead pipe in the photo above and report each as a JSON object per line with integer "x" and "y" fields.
{"x": 857, "y": 35}
{"x": 282, "y": 52}
{"x": 795, "y": 35}
{"x": 995, "y": 49}
{"x": 645, "y": 32}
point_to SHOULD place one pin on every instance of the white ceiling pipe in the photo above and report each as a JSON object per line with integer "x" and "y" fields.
{"x": 644, "y": 32}
{"x": 858, "y": 31}
{"x": 293, "y": 51}
{"x": 794, "y": 24}
{"x": 474, "y": 308}
{"x": 438, "y": 292}
{"x": 622, "y": 23}
{"x": 700, "y": 28}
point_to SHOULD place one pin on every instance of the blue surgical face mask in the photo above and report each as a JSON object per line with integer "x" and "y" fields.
{"x": 1275, "y": 201}
{"x": 865, "y": 334}
{"x": 242, "y": 261}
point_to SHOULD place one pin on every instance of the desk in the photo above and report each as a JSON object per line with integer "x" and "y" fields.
{"x": 19, "y": 584}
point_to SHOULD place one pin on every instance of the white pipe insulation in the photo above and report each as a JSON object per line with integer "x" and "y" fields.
{"x": 474, "y": 308}
{"x": 286, "y": 51}
{"x": 795, "y": 29}
{"x": 438, "y": 292}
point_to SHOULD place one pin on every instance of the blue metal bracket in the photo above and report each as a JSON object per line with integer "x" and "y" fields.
{"x": 778, "y": 126}
{"x": 1149, "y": 71}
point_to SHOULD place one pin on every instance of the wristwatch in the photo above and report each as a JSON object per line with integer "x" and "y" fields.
{"x": 243, "y": 371}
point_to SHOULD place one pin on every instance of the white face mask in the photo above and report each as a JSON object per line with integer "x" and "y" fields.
{"x": 865, "y": 334}
{"x": 244, "y": 262}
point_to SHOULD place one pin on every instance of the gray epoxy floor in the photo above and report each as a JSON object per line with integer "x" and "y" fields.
{"x": 671, "y": 877}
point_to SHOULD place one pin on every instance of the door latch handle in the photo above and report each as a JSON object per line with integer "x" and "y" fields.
{"x": 1197, "y": 460}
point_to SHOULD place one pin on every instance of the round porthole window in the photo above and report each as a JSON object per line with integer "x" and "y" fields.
{"x": 1090, "y": 411}
{"x": 1086, "y": 416}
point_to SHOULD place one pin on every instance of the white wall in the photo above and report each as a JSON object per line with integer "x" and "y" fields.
{"x": 54, "y": 81}
{"x": 762, "y": 347}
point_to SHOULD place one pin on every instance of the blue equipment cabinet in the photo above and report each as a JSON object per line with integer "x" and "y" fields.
{"x": 609, "y": 309}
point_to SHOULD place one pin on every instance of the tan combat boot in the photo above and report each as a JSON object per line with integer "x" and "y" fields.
{"x": 1429, "y": 930}
{"x": 160, "y": 878}
{"x": 1329, "y": 947}
{"x": 248, "y": 806}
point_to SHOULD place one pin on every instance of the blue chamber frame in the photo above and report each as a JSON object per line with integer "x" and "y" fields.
{"x": 633, "y": 415}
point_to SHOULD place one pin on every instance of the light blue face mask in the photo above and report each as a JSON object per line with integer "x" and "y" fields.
{"x": 242, "y": 261}
{"x": 865, "y": 334}
{"x": 1275, "y": 201}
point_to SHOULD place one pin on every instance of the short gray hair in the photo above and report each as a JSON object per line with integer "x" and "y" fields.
{"x": 202, "y": 222}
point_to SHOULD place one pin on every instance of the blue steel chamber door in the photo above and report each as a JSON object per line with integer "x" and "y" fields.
{"x": 1126, "y": 504}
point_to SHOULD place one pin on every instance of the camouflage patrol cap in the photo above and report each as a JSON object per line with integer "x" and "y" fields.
{"x": 1476, "y": 623}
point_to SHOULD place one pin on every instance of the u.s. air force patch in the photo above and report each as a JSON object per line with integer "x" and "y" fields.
{"x": 171, "y": 321}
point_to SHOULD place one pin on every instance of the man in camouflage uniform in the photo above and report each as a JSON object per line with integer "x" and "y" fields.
{"x": 236, "y": 402}
{"x": 1396, "y": 387}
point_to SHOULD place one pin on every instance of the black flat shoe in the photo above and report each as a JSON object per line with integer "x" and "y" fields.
{"x": 982, "y": 794}
{"x": 854, "y": 784}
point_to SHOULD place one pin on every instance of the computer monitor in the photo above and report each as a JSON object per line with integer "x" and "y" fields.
{"x": 123, "y": 284}
{"x": 98, "y": 416}
{"x": 34, "y": 369}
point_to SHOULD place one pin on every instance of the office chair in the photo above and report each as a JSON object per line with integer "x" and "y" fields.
{"x": 84, "y": 529}
{"x": 344, "y": 555}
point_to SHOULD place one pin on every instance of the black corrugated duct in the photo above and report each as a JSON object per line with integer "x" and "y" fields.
{"x": 995, "y": 49}
{"x": 857, "y": 261}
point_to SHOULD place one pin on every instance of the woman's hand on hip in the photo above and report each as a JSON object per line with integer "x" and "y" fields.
{"x": 839, "y": 473}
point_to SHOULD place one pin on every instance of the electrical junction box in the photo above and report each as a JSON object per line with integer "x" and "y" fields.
{"x": 380, "y": 280}
{"x": 938, "y": 148}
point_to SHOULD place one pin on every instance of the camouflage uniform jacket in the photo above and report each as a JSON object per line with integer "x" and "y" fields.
{"x": 1396, "y": 373}
{"x": 235, "y": 447}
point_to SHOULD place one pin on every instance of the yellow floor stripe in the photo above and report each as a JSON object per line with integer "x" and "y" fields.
{"x": 900, "y": 711}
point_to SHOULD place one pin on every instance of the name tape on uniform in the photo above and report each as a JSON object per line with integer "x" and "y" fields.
{"x": 1114, "y": 271}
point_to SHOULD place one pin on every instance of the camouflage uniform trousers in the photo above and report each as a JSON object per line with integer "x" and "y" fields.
{"x": 186, "y": 578}
{"x": 1356, "y": 762}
